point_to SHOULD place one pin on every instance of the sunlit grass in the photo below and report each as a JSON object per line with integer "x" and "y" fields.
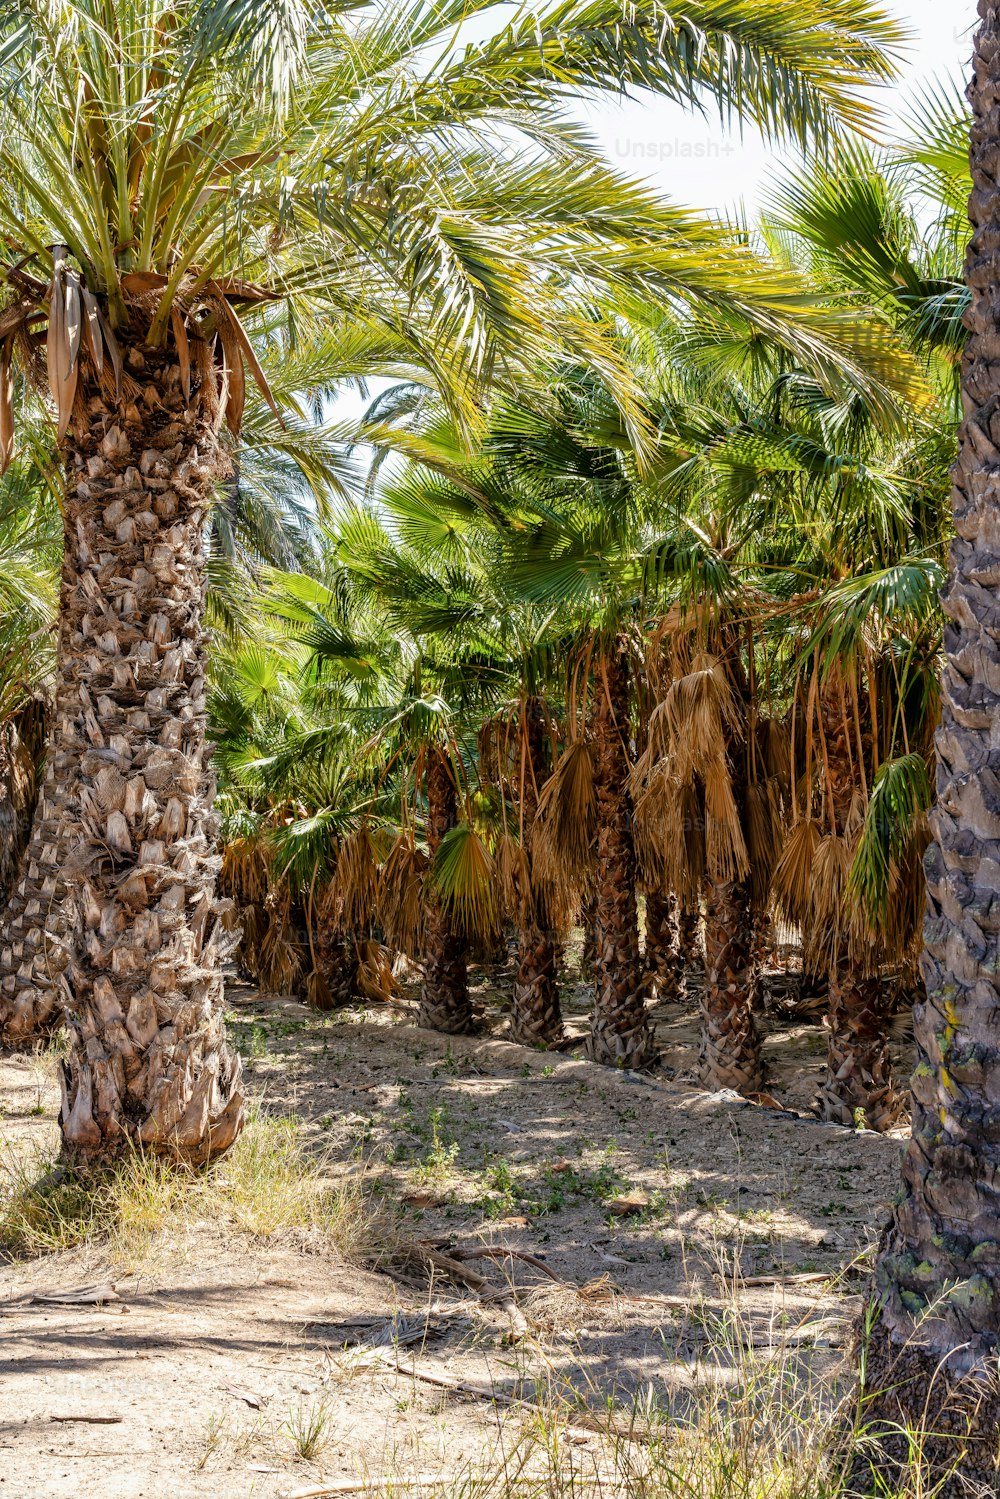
{"x": 267, "y": 1185}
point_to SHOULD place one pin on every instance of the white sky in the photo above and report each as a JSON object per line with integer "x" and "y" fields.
{"x": 694, "y": 161}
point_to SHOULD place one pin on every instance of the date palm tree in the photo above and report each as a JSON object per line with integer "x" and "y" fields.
{"x": 930, "y": 1362}
{"x": 167, "y": 172}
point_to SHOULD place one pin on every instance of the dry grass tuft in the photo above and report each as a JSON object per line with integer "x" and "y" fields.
{"x": 268, "y": 1185}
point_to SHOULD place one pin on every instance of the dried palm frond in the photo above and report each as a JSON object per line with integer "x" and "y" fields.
{"x": 63, "y": 338}
{"x": 513, "y": 877}
{"x": 317, "y": 991}
{"x": 6, "y": 406}
{"x": 670, "y": 835}
{"x": 358, "y": 861}
{"x": 763, "y": 835}
{"x": 775, "y": 752}
{"x": 464, "y": 875}
{"x": 654, "y": 820}
{"x": 830, "y": 873}
{"x": 697, "y": 711}
{"x": 566, "y": 820}
{"x": 244, "y": 874}
{"x": 399, "y": 898}
{"x": 792, "y": 882}
{"x": 725, "y": 846}
{"x": 279, "y": 953}
{"x": 375, "y": 977}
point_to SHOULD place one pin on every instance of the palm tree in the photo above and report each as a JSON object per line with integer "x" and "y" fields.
{"x": 206, "y": 167}
{"x": 930, "y": 1363}
{"x": 536, "y": 1015}
{"x": 444, "y": 991}
{"x": 619, "y": 1030}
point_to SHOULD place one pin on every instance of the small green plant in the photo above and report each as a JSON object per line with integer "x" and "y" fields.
{"x": 306, "y": 1428}
{"x": 215, "y": 1430}
{"x": 441, "y": 1154}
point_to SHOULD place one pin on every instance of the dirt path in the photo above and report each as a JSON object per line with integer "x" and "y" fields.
{"x": 221, "y": 1354}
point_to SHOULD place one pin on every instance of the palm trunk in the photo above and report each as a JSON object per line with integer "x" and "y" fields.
{"x": 691, "y": 951}
{"x": 337, "y": 965}
{"x": 932, "y": 1359}
{"x": 859, "y": 1087}
{"x": 444, "y": 993}
{"x": 661, "y": 955}
{"x": 588, "y": 949}
{"x": 536, "y": 1019}
{"x": 33, "y": 941}
{"x": 130, "y": 789}
{"x": 619, "y": 1031}
{"x": 730, "y": 1040}
{"x": 859, "y": 1077}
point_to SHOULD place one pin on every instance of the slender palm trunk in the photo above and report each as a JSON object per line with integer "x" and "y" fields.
{"x": 691, "y": 951}
{"x": 444, "y": 993}
{"x": 730, "y": 1039}
{"x": 588, "y": 926}
{"x": 619, "y": 1031}
{"x": 130, "y": 788}
{"x": 536, "y": 1018}
{"x": 661, "y": 955}
{"x": 337, "y": 962}
{"x": 859, "y": 1078}
{"x": 859, "y": 1086}
{"x": 932, "y": 1358}
{"x": 31, "y": 944}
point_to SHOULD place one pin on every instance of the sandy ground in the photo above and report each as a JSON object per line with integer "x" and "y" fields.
{"x": 647, "y": 1202}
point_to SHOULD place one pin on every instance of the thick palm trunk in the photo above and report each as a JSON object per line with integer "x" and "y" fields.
{"x": 130, "y": 790}
{"x": 859, "y": 1086}
{"x": 932, "y": 1359}
{"x": 536, "y": 1018}
{"x": 730, "y": 1040}
{"x": 661, "y": 955}
{"x": 619, "y": 1031}
{"x": 444, "y": 993}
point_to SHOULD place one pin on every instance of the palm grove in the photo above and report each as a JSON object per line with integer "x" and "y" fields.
{"x": 622, "y": 597}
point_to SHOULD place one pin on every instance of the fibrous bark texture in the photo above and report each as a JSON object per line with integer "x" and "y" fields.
{"x": 31, "y": 943}
{"x": 859, "y": 1076}
{"x": 858, "y": 1086}
{"x": 444, "y": 992}
{"x": 588, "y": 926}
{"x": 730, "y": 1039}
{"x": 691, "y": 952}
{"x": 536, "y": 1018}
{"x": 619, "y": 1031}
{"x": 337, "y": 962}
{"x": 661, "y": 956}
{"x": 938, "y": 1274}
{"x": 129, "y": 791}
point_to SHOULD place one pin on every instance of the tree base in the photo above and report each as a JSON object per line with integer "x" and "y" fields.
{"x": 448, "y": 1021}
{"x": 536, "y": 1016}
{"x": 879, "y": 1110}
{"x": 923, "y": 1427}
{"x": 635, "y": 1049}
{"x": 730, "y": 1050}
